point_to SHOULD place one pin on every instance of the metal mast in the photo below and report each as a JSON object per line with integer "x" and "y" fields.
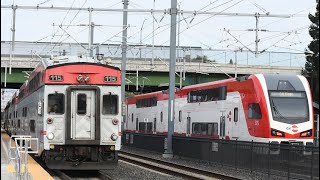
{"x": 172, "y": 68}
{"x": 13, "y": 29}
{"x": 124, "y": 57}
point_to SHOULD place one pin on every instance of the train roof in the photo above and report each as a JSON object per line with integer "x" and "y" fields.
{"x": 69, "y": 60}
{"x": 182, "y": 92}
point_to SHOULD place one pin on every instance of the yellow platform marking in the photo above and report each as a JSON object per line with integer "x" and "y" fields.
{"x": 11, "y": 169}
{"x": 36, "y": 171}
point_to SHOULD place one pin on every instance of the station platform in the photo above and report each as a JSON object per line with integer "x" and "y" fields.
{"x": 8, "y": 171}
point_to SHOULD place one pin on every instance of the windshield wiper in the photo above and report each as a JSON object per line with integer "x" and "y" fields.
{"x": 276, "y": 111}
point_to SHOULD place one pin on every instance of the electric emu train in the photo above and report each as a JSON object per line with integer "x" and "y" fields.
{"x": 72, "y": 105}
{"x": 260, "y": 108}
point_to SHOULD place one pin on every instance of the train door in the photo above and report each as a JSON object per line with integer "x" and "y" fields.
{"x": 188, "y": 124}
{"x": 83, "y": 114}
{"x": 235, "y": 122}
{"x": 222, "y": 124}
{"x": 137, "y": 122}
{"x": 234, "y": 116}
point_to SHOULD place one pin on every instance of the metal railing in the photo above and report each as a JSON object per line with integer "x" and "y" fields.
{"x": 316, "y": 130}
{"x": 270, "y": 161}
{"x": 21, "y": 148}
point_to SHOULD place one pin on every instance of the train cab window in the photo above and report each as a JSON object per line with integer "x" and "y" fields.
{"x": 32, "y": 126}
{"x": 254, "y": 111}
{"x": 235, "y": 115}
{"x": 110, "y": 104}
{"x": 82, "y": 104}
{"x": 56, "y": 103}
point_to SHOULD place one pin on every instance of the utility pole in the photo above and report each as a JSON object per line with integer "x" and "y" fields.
{"x": 124, "y": 57}
{"x": 173, "y": 32}
{"x": 13, "y": 29}
{"x": 257, "y": 29}
{"x": 90, "y": 41}
{"x": 152, "y": 59}
{"x": 236, "y": 64}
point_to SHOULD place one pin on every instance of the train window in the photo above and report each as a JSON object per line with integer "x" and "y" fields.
{"x": 25, "y": 112}
{"x": 213, "y": 94}
{"x": 137, "y": 123}
{"x": 155, "y": 125}
{"x": 161, "y": 116}
{"x": 32, "y": 126}
{"x": 110, "y": 104}
{"x": 215, "y": 129}
{"x": 149, "y": 127}
{"x": 235, "y": 115}
{"x": 254, "y": 111}
{"x": 207, "y": 129}
{"x": 18, "y": 123}
{"x": 132, "y": 117}
{"x": 10, "y": 116}
{"x": 141, "y": 126}
{"x": 82, "y": 104}
{"x": 56, "y": 103}
{"x": 222, "y": 125}
{"x": 188, "y": 124}
{"x": 147, "y": 102}
{"x": 145, "y": 126}
{"x": 180, "y": 116}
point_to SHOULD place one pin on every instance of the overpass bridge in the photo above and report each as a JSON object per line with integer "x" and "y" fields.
{"x": 146, "y": 75}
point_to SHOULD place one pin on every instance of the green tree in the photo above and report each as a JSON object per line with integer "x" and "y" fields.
{"x": 312, "y": 54}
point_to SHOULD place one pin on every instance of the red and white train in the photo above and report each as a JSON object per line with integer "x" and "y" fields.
{"x": 72, "y": 105}
{"x": 260, "y": 108}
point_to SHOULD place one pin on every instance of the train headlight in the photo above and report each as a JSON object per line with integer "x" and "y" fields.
{"x": 50, "y": 136}
{"x": 114, "y": 137}
{"x": 277, "y": 133}
{"x": 306, "y": 133}
{"x": 115, "y": 121}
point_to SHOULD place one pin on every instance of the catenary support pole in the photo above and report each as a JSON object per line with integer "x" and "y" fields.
{"x": 173, "y": 32}
{"x": 124, "y": 57}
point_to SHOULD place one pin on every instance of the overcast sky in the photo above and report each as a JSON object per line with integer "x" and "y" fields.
{"x": 207, "y": 31}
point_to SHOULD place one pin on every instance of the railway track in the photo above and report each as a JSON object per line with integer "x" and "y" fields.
{"x": 90, "y": 175}
{"x": 70, "y": 175}
{"x": 171, "y": 168}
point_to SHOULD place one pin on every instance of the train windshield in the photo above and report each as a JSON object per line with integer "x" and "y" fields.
{"x": 289, "y": 107}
